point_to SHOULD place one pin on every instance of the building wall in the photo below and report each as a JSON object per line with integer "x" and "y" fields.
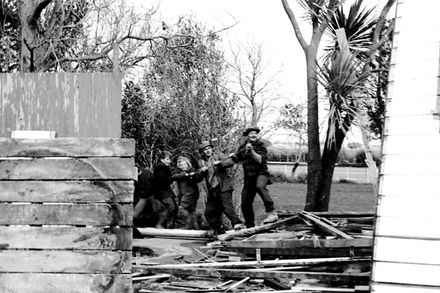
{"x": 407, "y": 235}
{"x": 72, "y": 104}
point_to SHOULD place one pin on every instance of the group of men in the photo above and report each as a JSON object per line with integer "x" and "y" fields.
{"x": 161, "y": 208}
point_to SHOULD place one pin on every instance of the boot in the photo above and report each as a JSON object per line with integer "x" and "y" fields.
{"x": 270, "y": 218}
{"x": 189, "y": 221}
{"x": 162, "y": 221}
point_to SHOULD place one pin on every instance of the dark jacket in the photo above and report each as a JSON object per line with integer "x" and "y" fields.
{"x": 250, "y": 166}
{"x": 143, "y": 187}
{"x": 220, "y": 172}
{"x": 187, "y": 183}
{"x": 161, "y": 181}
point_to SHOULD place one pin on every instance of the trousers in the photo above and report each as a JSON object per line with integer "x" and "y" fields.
{"x": 251, "y": 186}
{"x": 218, "y": 203}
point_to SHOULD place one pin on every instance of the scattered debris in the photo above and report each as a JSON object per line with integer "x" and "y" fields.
{"x": 305, "y": 252}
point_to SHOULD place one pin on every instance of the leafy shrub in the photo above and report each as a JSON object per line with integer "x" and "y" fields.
{"x": 348, "y": 181}
{"x": 301, "y": 178}
{"x": 276, "y": 177}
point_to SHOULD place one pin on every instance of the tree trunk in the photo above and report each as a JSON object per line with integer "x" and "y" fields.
{"x": 314, "y": 163}
{"x": 254, "y": 119}
{"x": 373, "y": 172}
{"x": 35, "y": 41}
{"x": 328, "y": 162}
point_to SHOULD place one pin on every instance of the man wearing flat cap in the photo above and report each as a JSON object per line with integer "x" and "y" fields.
{"x": 219, "y": 187}
{"x": 253, "y": 154}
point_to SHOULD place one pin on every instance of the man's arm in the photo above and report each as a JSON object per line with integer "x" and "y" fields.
{"x": 139, "y": 207}
{"x": 253, "y": 154}
{"x": 180, "y": 176}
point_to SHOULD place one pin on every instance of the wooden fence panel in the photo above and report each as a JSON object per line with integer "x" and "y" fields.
{"x": 67, "y": 147}
{"x": 67, "y": 237}
{"x": 67, "y": 169}
{"x": 72, "y": 104}
{"x": 67, "y": 191}
{"x": 65, "y": 215}
{"x": 65, "y": 283}
{"x": 54, "y": 261}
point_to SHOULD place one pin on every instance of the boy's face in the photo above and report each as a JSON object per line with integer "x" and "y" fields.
{"x": 166, "y": 161}
{"x": 253, "y": 136}
{"x": 207, "y": 151}
{"x": 183, "y": 165}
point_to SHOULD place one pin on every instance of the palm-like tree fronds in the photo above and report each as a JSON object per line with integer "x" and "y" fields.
{"x": 315, "y": 9}
{"x": 358, "y": 25}
{"x": 343, "y": 80}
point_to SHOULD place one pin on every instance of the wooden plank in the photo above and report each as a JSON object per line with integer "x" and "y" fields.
{"x": 421, "y": 87}
{"x": 344, "y": 214}
{"x": 67, "y": 147}
{"x": 308, "y": 289}
{"x": 67, "y": 169}
{"x": 326, "y": 227}
{"x": 293, "y": 243}
{"x": 263, "y": 263}
{"x": 33, "y": 134}
{"x": 255, "y": 230}
{"x": 410, "y": 69}
{"x": 408, "y": 206}
{"x": 65, "y": 261}
{"x": 423, "y": 251}
{"x": 402, "y": 288}
{"x": 412, "y": 125}
{"x": 56, "y": 237}
{"x": 67, "y": 191}
{"x": 411, "y": 164}
{"x": 408, "y": 226}
{"x": 303, "y": 252}
{"x": 425, "y": 105}
{"x": 345, "y": 278}
{"x": 175, "y": 233}
{"x": 429, "y": 49}
{"x": 408, "y": 145}
{"x": 402, "y": 273}
{"x": 399, "y": 185}
{"x": 65, "y": 283}
{"x": 66, "y": 214}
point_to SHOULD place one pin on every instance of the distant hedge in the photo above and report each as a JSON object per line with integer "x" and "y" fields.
{"x": 351, "y": 155}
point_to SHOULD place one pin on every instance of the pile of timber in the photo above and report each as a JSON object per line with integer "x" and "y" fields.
{"x": 303, "y": 252}
{"x": 307, "y": 235}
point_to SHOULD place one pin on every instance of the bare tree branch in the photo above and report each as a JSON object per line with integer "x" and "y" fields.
{"x": 33, "y": 19}
{"x": 382, "y": 19}
{"x": 295, "y": 25}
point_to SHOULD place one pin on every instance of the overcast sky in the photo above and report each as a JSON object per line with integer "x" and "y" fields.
{"x": 259, "y": 21}
{"x": 262, "y": 21}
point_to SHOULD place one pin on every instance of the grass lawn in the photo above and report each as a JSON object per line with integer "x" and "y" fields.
{"x": 344, "y": 197}
{"x": 292, "y": 197}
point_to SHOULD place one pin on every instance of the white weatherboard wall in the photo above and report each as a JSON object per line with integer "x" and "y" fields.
{"x": 407, "y": 235}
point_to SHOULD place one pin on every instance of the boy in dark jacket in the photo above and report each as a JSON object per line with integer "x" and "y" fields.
{"x": 253, "y": 154}
{"x": 162, "y": 191}
{"x": 220, "y": 189}
{"x": 188, "y": 190}
{"x": 143, "y": 213}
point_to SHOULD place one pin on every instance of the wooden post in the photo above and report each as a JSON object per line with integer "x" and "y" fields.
{"x": 115, "y": 58}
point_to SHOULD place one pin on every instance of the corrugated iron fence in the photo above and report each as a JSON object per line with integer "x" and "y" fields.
{"x": 66, "y": 215}
{"x": 72, "y": 104}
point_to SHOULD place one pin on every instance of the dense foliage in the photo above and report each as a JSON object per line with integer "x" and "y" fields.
{"x": 182, "y": 98}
